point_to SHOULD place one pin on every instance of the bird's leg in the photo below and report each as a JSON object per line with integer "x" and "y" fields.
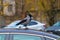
{"x": 26, "y": 27}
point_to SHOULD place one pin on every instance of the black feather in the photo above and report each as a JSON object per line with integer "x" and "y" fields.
{"x": 21, "y": 22}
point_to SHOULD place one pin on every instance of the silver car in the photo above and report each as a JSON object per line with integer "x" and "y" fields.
{"x": 15, "y": 34}
{"x": 32, "y": 25}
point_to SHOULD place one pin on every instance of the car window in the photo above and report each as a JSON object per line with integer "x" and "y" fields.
{"x": 29, "y": 37}
{"x": 2, "y": 37}
{"x": 48, "y": 38}
{"x": 32, "y": 23}
{"x": 26, "y": 37}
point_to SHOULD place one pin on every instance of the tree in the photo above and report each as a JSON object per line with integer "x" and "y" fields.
{"x": 52, "y": 12}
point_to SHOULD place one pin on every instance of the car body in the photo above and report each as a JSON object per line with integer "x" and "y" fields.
{"x": 55, "y": 28}
{"x": 32, "y": 25}
{"x": 15, "y": 34}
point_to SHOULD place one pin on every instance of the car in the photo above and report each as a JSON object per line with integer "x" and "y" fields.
{"x": 55, "y": 28}
{"x": 21, "y": 34}
{"x": 32, "y": 25}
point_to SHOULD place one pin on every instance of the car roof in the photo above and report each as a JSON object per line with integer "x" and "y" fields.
{"x": 28, "y": 31}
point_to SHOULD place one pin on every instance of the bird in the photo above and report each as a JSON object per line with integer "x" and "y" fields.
{"x": 26, "y": 20}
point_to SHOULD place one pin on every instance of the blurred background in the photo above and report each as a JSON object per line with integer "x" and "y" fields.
{"x": 45, "y": 11}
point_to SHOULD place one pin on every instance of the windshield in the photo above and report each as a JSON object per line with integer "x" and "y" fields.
{"x": 32, "y": 23}
{"x": 57, "y": 24}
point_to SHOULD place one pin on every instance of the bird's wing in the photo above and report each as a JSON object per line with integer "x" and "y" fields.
{"x": 21, "y": 22}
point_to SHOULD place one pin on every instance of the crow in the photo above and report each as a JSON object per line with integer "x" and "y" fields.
{"x": 26, "y": 20}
